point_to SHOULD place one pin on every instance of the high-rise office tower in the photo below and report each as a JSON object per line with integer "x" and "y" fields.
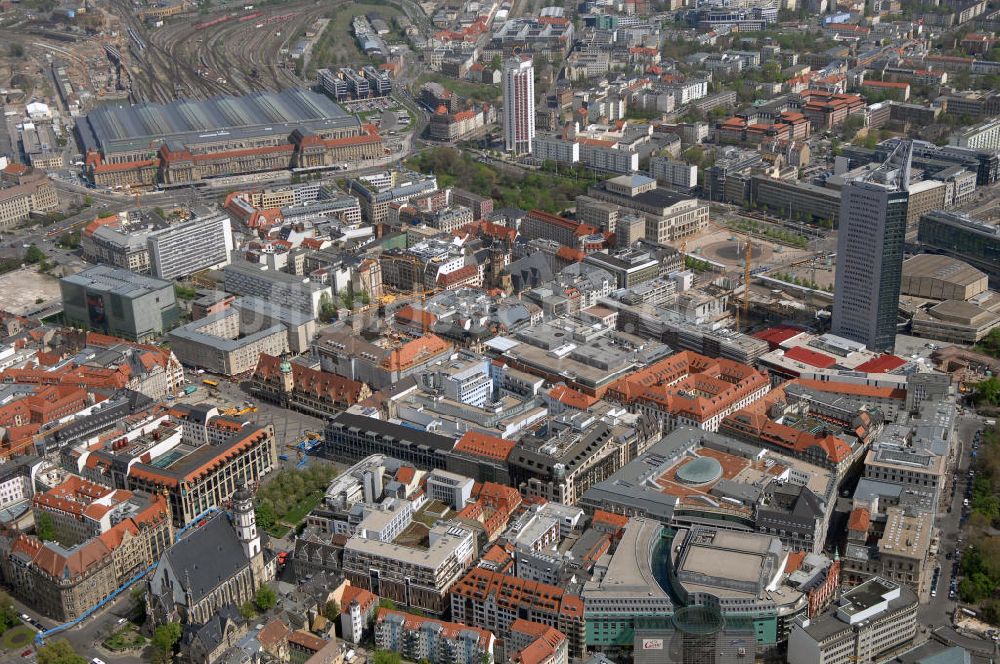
{"x": 870, "y": 253}
{"x": 518, "y": 105}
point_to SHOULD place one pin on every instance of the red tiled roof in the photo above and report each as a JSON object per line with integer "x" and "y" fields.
{"x": 485, "y": 445}
{"x": 572, "y": 398}
{"x": 860, "y": 519}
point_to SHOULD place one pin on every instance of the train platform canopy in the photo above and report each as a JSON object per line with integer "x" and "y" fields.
{"x": 122, "y": 128}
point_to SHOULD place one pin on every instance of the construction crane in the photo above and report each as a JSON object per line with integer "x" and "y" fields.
{"x": 420, "y": 292}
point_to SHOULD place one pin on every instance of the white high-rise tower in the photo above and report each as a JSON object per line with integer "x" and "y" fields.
{"x": 518, "y": 105}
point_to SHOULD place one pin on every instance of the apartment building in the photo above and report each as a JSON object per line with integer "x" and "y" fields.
{"x": 63, "y": 581}
{"x": 418, "y": 638}
{"x": 412, "y": 576}
{"x": 675, "y": 175}
{"x": 494, "y": 601}
{"x": 182, "y": 249}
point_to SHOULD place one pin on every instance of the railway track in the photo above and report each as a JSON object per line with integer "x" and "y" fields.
{"x": 185, "y": 58}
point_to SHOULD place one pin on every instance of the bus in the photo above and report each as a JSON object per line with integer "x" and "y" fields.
{"x": 211, "y": 383}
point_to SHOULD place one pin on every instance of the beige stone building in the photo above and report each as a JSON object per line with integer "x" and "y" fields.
{"x": 24, "y": 190}
{"x": 63, "y": 582}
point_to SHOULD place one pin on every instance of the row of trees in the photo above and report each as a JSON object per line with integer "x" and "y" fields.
{"x": 804, "y": 283}
{"x": 981, "y": 559}
{"x": 778, "y": 234}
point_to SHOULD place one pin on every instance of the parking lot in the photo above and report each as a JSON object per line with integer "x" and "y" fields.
{"x": 367, "y": 105}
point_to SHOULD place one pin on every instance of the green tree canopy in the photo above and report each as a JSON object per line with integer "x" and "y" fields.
{"x": 59, "y": 652}
{"x": 265, "y": 598}
{"x": 386, "y": 657}
{"x": 988, "y": 392}
{"x": 34, "y": 255}
{"x": 46, "y": 527}
{"x": 165, "y": 637}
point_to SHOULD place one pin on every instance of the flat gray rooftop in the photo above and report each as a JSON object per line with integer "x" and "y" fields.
{"x": 120, "y": 127}
{"x": 116, "y": 280}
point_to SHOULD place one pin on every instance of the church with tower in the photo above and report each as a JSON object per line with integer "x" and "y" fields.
{"x": 218, "y": 564}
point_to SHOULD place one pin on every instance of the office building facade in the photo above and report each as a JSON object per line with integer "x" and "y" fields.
{"x": 183, "y": 249}
{"x": 870, "y": 260}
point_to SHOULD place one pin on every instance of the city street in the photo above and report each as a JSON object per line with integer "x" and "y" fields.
{"x": 936, "y": 615}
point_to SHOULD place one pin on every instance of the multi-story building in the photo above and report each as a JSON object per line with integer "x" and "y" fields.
{"x": 204, "y": 476}
{"x": 587, "y": 357}
{"x": 63, "y": 581}
{"x": 792, "y": 197}
{"x": 379, "y": 81}
{"x": 80, "y": 510}
{"x": 481, "y": 206}
{"x": 349, "y": 437}
{"x": 669, "y": 216}
{"x": 24, "y": 190}
{"x": 183, "y": 249}
{"x": 552, "y": 36}
{"x": 375, "y": 193}
{"x": 344, "y": 353}
{"x": 924, "y": 196}
{"x": 518, "y": 105}
{"x": 867, "y": 622}
{"x": 899, "y": 554}
{"x": 334, "y": 83}
{"x": 223, "y": 344}
{"x": 602, "y": 216}
{"x": 566, "y": 232}
{"x": 418, "y": 638}
{"x": 412, "y": 576}
{"x": 691, "y": 389}
{"x": 535, "y": 643}
{"x": 676, "y": 175}
{"x": 255, "y": 279}
{"x": 556, "y": 148}
{"x": 223, "y": 136}
{"x": 119, "y": 303}
{"x": 107, "y": 240}
{"x": 629, "y": 268}
{"x": 494, "y": 601}
{"x": 960, "y": 236}
{"x": 870, "y": 258}
{"x": 301, "y": 388}
{"x": 983, "y": 136}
